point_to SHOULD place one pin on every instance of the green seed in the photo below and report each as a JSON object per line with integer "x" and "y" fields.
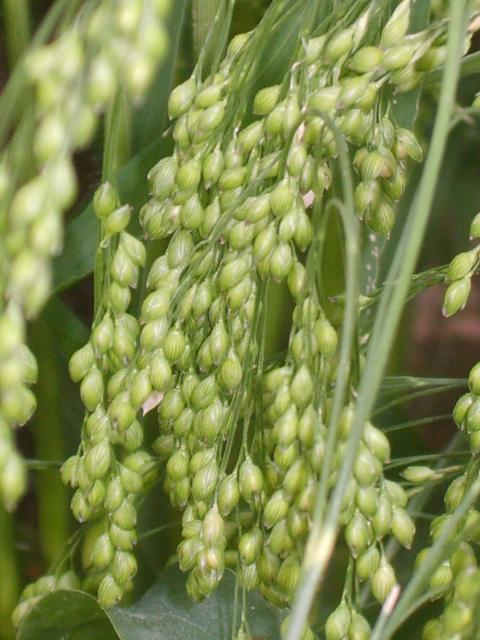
{"x": 418, "y": 474}
{"x": 103, "y": 551}
{"x": 397, "y": 25}
{"x": 212, "y": 117}
{"x": 213, "y": 528}
{"x": 105, "y": 200}
{"x": 383, "y": 581}
{"x": 266, "y": 100}
{"x": 135, "y": 248}
{"x": 174, "y": 345}
{"x": 122, "y": 269}
{"x": 397, "y": 57}
{"x": 367, "y": 563}
{"x": 475, "y": 227}
{"x": 338, "y": 623}
{"x": 160, "y": 372}
{"x": 359, "y": 628}
{"x": 353, "y": 89}
{"x": 181, "y": 98}
{"x": 358, "y": 534}
{"x": 91, "y": 389}
{"x": 276, "y": 509}
{"x": 121, "y": 412}
{"x": 402, "y": 527}
{"x": 189, "y": 175}
{"x": 325, "y": 99}
{"x": 231, "y": 373}
{"x": 462, "y": 265}
{"x": 366, "y": 499}
{"x": 366, "y": 59}
{"x": 232, "y": 273}
{"x": 456, "y": 297}
{"x": 124, "y": 567}
{"x": 251, "y": 136}
{"x": 81, "y": 362}
{"x": 109, "y": 593}
{"x": 314, "y": 48}
{"x": 474, "y": 380}
{"x": 461, "y": 409}
{"x": 304, "y": 232}
{"x": 231, "y": 179}
{"x": 301, "y": 387}
{"x": 377, "y": 442}
{"x": 141, "y": 388}
{"x": 281, "y": 261}
{"x": 366, "y": 468}
{"x": 205, "y": 482}
{"x": 204, "y": 393}
{"x": 162, "y": 177}
{"x": 118, "y": 220}
{"x": 382, "y": 519}
{"x": 457, "y": 618}
{"x": 228, "y": 495}
{"x": 121, "y": 538}
{"x": 251, "y": 480}
{"x": 407, "y": 146}
{"x": 339, "y": 45}
{"x": 282, "y": 199}
{"x": 326, "y": 337}
{"x": 454, "y": 494}
{"x": 213, "y": 166}
{"x": 381, "y": 219}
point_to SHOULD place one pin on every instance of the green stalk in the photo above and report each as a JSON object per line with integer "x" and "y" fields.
{"x": 9, "y": 578}
{"x": 116, "y": 152}
{"x": 324, "y": 533}
{"x": 48, "y": 431}
{"x": 17, "y": 26}
{"x": 17, "y": 31}
{"x": 117, "y": 137}
{"x": 204, "y": 18}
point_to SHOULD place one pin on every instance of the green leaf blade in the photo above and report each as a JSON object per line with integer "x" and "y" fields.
{"x": 165, "y": 612}
{"x": 66, "y": 615}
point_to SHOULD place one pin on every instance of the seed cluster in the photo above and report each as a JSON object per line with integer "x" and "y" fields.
{"x": 111, "y": 46}
{"x": 257, "y": 516}
{"x": 242, "y": 441}
{"x": 459, "y": 274}
{"x": 236, "y": 202}
{"x": 110, "y": 470}
{"x": 457, "y": 579}
{"x": 458, "y": 617}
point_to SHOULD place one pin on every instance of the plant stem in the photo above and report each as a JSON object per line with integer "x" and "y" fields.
{"x": 17, "y": 27}
{"x": 9, "y": 578}
{"x": 204, "y": 14}
{"x": 17, "y": 33}
{"x": 116, "y": 153}
{"x": 53, "y": 510}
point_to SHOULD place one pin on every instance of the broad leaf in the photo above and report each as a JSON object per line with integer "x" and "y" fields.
{"x": 66, "y": 615}
{"x": 164, "y": 613}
